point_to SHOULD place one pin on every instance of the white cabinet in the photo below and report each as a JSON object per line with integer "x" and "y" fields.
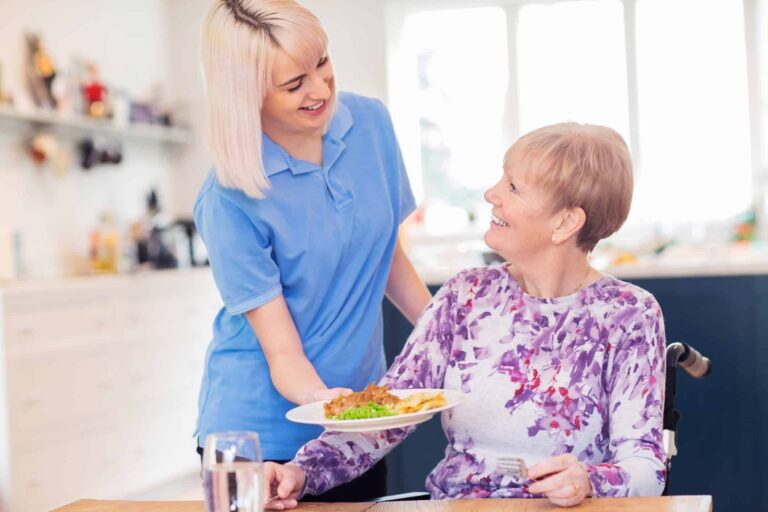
{"x": 98, "y": 385}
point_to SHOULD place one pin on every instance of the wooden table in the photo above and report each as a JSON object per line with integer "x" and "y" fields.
{"x": 661, "y": 504}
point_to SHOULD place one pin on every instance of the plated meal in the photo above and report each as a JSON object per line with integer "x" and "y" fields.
{"x": 376, "y": 401}
{"x": 377, "y": 408}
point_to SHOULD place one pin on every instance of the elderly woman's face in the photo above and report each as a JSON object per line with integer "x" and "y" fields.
{"x": 299, "y": 100}
{"x": 522, "y": 222}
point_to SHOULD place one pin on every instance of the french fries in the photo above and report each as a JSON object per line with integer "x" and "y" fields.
{"x": 420, "y": 402}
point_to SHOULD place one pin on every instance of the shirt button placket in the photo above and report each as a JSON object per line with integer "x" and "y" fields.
{"x": 341, "y": 196}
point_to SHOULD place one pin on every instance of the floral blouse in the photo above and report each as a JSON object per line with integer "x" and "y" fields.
{"x": 582, "y": 374}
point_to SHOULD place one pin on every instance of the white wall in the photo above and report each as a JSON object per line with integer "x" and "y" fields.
{"x": 128, "y": 41}
{"x": 356, "y": 30}
{"x": 186, "y": 80}
{"x": 761, "y": 29}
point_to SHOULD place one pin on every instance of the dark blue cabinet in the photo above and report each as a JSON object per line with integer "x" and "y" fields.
{"x": 409, "y": 463}
{"x": 721, "y": 436}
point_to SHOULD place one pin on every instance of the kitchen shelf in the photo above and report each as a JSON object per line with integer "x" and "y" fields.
{"x": 82, "y": 124}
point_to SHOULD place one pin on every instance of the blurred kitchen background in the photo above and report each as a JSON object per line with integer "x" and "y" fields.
{"x": 105, "y": 299}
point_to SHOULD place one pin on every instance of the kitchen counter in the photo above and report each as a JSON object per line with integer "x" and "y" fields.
{"x": 438, "y": 260}
{"x": 436, "y": 263}
{"x": 97, "y": 280}
{"x": 436, "y": 275}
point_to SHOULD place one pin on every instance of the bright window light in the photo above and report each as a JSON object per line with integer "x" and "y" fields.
{"x": 459, "y": 59}
{"x": 695, "y": 164}
{"x": 572, "y": 65}
{"x": 678, "y": 94}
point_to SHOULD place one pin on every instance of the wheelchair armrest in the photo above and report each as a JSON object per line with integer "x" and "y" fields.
{"x": 406, "y": 496}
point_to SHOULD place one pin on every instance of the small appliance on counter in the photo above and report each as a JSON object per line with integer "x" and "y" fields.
{"x": 153, "y": 237}
{"x": 163, "y": 244}
{"x": 192, "y": 244}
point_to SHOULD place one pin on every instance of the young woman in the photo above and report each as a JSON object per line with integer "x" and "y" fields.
{"x": 300, "y": 219}
{"x": 562, "y": 366}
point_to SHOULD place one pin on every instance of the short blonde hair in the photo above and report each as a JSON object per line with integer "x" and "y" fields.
{"x": 240, "y": 40}
{"x": 581, "y": 166}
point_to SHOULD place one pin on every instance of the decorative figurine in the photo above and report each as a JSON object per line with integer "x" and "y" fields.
{"x": 94, "y": 93}
{"x": 42, "y": 147}
{"x": 40, "y": 72}
{"x": 98, "y": 150}
{"x": 151, "y": 109}
{"x": 45, "y": 150}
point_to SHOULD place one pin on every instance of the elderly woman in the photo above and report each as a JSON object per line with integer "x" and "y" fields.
{"x": 563, "y": 365}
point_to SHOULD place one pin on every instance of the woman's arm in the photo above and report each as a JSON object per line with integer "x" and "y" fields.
{"x": 335, "y": 457}
{"x": 635, "y": 461}
{"x": 405, "y": 288}
{"x": 292, "y": 374}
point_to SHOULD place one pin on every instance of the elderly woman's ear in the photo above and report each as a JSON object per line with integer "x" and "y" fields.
{"x": 568, "y": 223}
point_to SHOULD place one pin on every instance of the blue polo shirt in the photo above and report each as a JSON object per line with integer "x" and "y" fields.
{"x": 323, "y": 237}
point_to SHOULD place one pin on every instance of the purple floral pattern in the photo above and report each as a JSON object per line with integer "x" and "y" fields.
{"x": 582, "y": 374}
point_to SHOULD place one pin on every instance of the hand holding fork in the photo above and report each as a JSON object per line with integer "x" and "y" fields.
{"x": 562, "y": 479}
{"x": 283, "y": 484}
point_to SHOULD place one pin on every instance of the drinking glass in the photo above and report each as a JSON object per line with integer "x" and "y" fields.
{"x": 232, "y": 472}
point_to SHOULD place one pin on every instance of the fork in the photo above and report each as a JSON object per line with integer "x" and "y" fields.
{"x": 512, "y": 466}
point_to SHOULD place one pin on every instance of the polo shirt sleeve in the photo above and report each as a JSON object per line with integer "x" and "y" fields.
{"x": 405, "y": 194}
{"x": 240, "y": 254}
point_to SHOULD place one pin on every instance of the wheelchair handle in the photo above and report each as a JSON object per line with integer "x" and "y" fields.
{"x": 689, "y": 359}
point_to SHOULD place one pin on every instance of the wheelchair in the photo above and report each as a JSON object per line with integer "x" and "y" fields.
{"x": 678, "y": 355}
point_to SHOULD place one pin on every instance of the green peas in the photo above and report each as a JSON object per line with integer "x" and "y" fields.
{"x": 372, "y": 410}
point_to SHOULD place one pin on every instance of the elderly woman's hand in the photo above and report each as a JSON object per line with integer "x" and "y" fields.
{"x": 562, "y": 479}
{"x": 283, "y": 484}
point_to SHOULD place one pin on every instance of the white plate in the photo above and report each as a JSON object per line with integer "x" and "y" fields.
{"x": 314, "y": 414}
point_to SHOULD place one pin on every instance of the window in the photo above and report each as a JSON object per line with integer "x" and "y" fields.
{"x": 669, "y": 75}
{"x": 693, "y": 105}
{"x": 572, "y": 64}
{"x": 455, "y": 101}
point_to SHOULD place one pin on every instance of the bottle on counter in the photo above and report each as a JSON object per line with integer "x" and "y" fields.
{"x": 104, "y": 246}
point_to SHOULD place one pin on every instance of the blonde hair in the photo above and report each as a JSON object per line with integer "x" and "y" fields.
{"x": 240, "y": 40}
{"x": 581, "y": 166}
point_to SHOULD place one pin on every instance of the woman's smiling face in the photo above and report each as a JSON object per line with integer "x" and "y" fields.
{"x": 523, "y": 220}
{"x": 299, "y": 100}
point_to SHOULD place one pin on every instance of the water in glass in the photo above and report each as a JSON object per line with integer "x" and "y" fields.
{"x": 232, "y": 473}
{"x": 233, "y": 487}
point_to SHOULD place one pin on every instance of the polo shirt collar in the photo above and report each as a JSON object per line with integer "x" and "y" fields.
{"x": 276, "y": 159}
{"x": 341, "y": 122}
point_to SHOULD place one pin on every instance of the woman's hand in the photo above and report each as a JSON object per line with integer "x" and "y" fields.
{"x": 562, "y": 479}
{"x": 283, "y": 484}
